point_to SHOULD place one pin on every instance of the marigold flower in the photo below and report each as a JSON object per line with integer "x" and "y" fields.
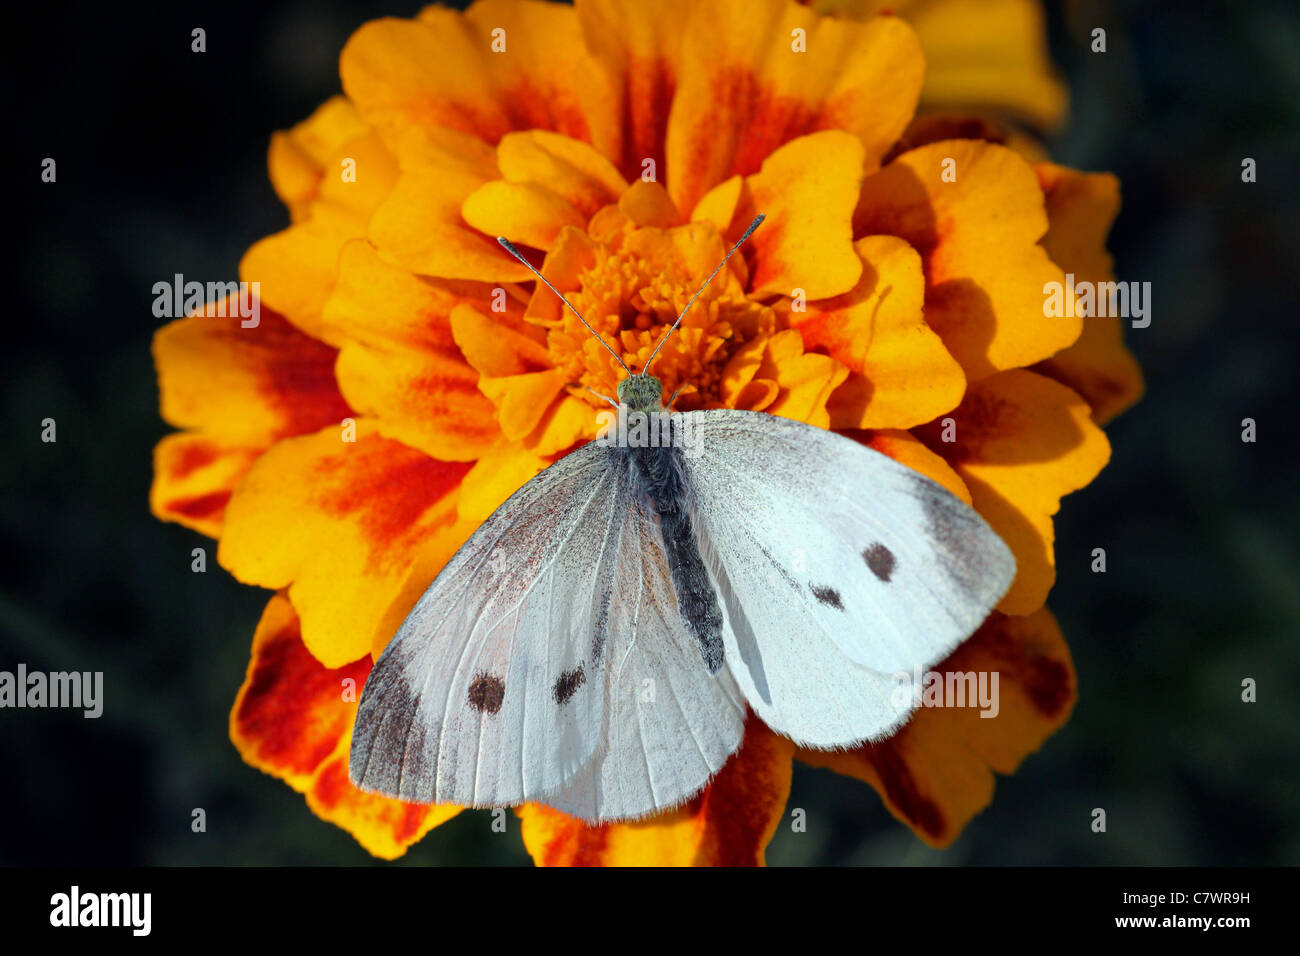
{"x": 625, "y": 145}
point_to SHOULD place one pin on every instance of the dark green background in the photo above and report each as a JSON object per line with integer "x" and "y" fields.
{"x": 161, "y": 169}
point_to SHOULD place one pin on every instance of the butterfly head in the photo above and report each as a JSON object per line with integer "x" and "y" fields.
{"x": 641, "y": 393}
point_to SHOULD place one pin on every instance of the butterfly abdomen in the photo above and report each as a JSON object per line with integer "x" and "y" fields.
{"x": 664, "y": 484}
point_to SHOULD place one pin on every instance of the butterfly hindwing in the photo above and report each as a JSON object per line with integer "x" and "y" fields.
{"x": 669, "y": 724}
{"x": 837, "y": 568}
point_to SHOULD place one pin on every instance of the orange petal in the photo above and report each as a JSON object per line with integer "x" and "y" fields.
{"x": 293, "y": 719}
{"x": 638, "y": 47}
{"x": 978, "y": 53}
{"x": 900, "y": 373}
{"x": 193, "y": 475}
{"x": 1022, "y": 442}
{"x": 978, "y": 239}
{"x": 807, "y": 189}
{"x": 494, "y": 478}
{"x": 399, "y": 361}
{"x": 355, "y": 530}
{"x": 647, "y": 204}
{"x": 936, "y": 773}
{"x": 295, "y": 268}
{"x": 299, "y": 158}
{"x": 255, "y": 384}
{"x": 498, "y": 346}
{"x": 743, "y": 90}
{"x": 806, "y": 380}
{"x": 906, "y": 449}
{"x": 420, "y": 226}
{"x": 526, "y": 213}
{"x": 1080, "y": 210}
{"x": 441, "y": 70}
{"x": 567, "y": 167}
{"x": 729, "y": 824}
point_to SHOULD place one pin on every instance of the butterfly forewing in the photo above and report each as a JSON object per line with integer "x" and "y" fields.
{"x": 486, "y": 694}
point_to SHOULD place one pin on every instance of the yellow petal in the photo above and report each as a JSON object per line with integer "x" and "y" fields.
{"x": 1080, "y": 210}
{"x": 744, "y": 89}
{"x": 1023, "y": 441}
{"x": 900, "y": 374}
{"x": 399, "y": 362}
{"x": 355, "y": 530}
{"x": 978, "y": 239}
{"x": 807, "y": 189}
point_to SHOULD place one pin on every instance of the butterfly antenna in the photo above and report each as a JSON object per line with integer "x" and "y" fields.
{"x": 758, "y": 221}
{"x": 509, "y": 247}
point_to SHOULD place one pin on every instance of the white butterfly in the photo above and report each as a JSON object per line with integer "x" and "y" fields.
{"x": 650, "y": 592}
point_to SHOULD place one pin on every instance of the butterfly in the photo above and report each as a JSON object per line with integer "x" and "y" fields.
{"x": 597, "y": 644}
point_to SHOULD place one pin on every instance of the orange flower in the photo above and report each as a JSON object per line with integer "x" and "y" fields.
{"x": 406, "y": 377}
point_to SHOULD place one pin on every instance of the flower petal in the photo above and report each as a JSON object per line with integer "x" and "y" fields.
{"x": 399, "y": 361}
{"x": 729, "y": 824}
{"x": 744, "y": 90}
{"x": 978, "y": 239}
{"x": 936, "y": 773}
{"x": 299, "y": 158}
{"x": 906, "y": 449}
{"x": 239, "y": 389}
{"x": 1022, "y": 442}
{"x": 1080, "y": 210}
{"x": 295, "y": 268}
{"x": 807, "y": 189}
{"x": 193, "y": 475}
{"x": 806, "y": 380}
{"x": 503, "y": 65}
{"x": 256, "y": 384}
{"x": 900, "y": 373}
{"x": 638, "y": 46}
{"x": 355, "y": 530}
{"x": 420, "y": 227}
{"x": 293, "y": 719}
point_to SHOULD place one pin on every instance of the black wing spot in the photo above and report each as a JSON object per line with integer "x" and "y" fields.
{"x": 567, "y": 684}
{"x": 827, "y": 595}
{"x": 486, "y": 693}
{"x": 880, "y": 560}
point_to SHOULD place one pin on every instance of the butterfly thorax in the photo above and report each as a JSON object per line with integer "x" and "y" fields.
{"x": 641, "y": 393}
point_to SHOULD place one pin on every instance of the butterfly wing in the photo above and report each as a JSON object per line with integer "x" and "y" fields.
{"x": 669, "y": 724}
{"x": 837, "y": 568}
{"x": 484, "y": 695}
{"x": 549, "y": 662}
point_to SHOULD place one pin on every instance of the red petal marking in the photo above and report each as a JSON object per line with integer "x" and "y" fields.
{"x": 647, "y": 98}
{"x": 901, "y": 788}
{"x": 386, "y": 486}
{"x": 204, "y": 506}
{"x": 293, "y": 709}
{"x": 737, "y": 803}
{"x": 191, "y": 459}
{"x": 300, "y": 381}
{"x": 530, "y": 107}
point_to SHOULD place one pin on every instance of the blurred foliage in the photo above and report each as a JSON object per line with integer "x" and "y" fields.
{"x": 161, "y": 165}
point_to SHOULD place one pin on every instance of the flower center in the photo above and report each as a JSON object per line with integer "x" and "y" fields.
{"x": 632, "y": 299}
